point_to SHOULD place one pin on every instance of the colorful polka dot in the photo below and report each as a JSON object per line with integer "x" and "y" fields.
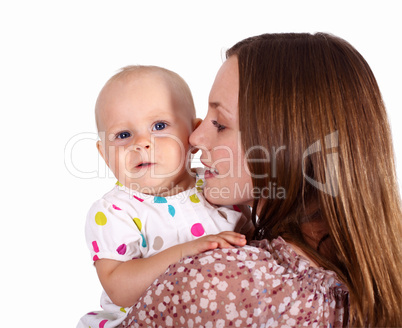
{"x": 102, "y": 323}
{"x": 138, "y": 223}
{"x": 116, "y": 208}
{"x": 197, "y": 230}
{"x": 138, "y": 198}
{"x": 171, "y": 210}
{"x": 199, "y": 183}
{"x": 123, "y": 310}
{"x": 194, "y": 198}
{"x": 95, "y": 258}
{"x": 121, "y": 249}
{"x": 158, "y": 243}
{"x": 144, "y": 242}
{"x": 160, "y": 200}
{"x": 100, "y": 218}
{"x": 119, "y": 184}
{"x": 95, "y": 246}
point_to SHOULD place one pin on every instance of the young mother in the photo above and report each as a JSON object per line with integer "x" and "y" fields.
{"x": 296, "y": 128}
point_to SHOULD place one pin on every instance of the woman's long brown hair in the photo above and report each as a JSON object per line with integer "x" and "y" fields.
{"x": 312, "y": 101}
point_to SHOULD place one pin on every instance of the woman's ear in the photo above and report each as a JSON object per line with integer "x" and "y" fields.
{"x": 196, "y": 123}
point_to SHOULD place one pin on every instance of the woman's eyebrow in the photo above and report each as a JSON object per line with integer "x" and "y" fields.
{"x": 222, "y": 109}
{"x": 214, "y": 104}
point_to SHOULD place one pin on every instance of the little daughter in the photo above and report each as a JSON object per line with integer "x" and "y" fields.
{"x": 156, "y": 214}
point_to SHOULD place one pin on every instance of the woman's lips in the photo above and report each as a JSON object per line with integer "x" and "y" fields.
{"x": 210, "y": 172}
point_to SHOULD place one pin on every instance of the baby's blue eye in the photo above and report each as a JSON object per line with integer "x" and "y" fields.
{"x": 123, "y": 135}
{"x": 159, "y": 126}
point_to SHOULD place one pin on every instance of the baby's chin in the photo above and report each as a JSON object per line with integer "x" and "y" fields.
{"x": 154, "y": 187}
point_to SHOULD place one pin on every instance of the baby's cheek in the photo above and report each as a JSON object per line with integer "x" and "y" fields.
{"x": 113, "y": 161}
{"x": 170, "y": 146}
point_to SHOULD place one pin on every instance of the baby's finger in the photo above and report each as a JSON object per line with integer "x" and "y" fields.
{"x": 233, "y": 238}
{"x": 223, "y": 243}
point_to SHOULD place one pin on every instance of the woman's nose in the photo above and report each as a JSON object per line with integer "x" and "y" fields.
{"x": 198, "y": 137}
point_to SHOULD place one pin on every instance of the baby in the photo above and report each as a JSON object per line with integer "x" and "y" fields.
{"x": 156, "y": 214}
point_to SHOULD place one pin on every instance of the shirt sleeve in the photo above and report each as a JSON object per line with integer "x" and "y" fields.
{"x": 111, "y": 233}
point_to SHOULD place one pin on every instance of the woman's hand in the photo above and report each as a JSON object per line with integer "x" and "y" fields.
{"x": 225, "y": 239}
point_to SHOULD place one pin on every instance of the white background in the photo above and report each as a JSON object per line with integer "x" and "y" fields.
{"x": 55, "y": 57}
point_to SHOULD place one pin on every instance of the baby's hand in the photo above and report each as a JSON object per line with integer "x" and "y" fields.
{"x": 226, "y": 239}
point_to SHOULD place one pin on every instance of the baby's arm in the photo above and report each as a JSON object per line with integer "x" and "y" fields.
{"x": 125, "y": 282}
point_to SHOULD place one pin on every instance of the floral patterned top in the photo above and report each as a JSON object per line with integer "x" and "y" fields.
{"x": 265, "y": 285}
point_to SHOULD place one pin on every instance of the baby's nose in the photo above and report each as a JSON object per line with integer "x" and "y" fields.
{"x": 140, "y": 147}
{"x": 142, "y": 141}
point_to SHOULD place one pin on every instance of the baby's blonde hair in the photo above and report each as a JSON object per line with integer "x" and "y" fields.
{"x": 176, "y": 83}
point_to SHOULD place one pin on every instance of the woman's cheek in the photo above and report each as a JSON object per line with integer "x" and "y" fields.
{"x": 223, "y": 161}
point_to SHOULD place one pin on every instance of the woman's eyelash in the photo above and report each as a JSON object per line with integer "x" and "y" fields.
{"x": 220, "y": 127}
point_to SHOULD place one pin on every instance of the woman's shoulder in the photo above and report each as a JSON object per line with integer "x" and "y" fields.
{"x": 290, "y": 261}
{"x": 277, "y": 259}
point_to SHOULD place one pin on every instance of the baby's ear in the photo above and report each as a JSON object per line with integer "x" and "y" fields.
{"x": 101, "y": 149}
{"x": 196, "y": 123}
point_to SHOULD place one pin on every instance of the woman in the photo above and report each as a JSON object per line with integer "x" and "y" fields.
{"x": 296, "y": 128}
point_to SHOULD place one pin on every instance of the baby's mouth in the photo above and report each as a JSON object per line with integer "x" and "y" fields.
{"x": 146, "y": 164}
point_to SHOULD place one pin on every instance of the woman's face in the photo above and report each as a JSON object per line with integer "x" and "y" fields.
{"x": 227, "y": 176}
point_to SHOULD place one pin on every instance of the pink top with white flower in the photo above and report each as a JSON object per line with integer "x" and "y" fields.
{"x": 269, "y": 285}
